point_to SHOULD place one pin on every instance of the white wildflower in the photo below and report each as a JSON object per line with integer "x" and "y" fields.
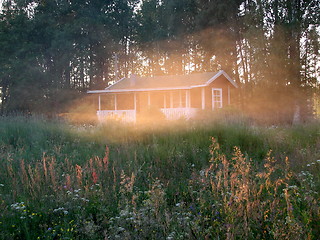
{"x": 18, "y": 206}
{"x": 120, "y": 229}
{"x": 58, "y": 209}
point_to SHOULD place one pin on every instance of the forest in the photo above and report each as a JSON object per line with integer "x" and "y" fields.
{"x": 53, "y": 51}
{"x": 249, "y": 171}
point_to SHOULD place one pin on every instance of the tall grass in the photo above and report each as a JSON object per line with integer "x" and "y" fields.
{"x": 169, "y": 182}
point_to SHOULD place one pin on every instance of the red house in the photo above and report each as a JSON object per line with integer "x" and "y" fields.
{"x": 175, "y": 96}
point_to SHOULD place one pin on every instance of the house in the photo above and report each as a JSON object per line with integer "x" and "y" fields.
{"x": 175, "y": 96}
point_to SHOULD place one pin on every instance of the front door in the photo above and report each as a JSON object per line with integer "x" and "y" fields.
{"x": 216, "y": 98}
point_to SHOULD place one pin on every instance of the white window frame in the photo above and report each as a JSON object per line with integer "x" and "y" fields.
{"x": 213, "y": 97}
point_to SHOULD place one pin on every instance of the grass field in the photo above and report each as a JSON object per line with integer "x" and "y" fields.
{"x": 187, "y": 180}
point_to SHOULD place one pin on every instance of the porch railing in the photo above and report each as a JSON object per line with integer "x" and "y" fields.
{"x": 176, "y": 113}
{"x": 121, "y": 115}
{"x": 130, "y": 115}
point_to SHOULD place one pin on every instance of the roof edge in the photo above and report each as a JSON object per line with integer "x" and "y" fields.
{"x": 143, "y": 89}
{"x": 221, "y": 72}
{"x": 96, "y": 91}
{"x": 115, "y": 83}
{"x": 212, "y": 79}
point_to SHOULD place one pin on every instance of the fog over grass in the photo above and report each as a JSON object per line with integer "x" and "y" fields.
{"x": 218, "y": 179}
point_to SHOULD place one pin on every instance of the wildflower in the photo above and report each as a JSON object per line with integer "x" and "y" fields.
{"x": 308, "y": 165}
{"x": 79, "y": 174}
{"x": 58, "y": 209}
{"x": 318, "y": 160}
{"x": 18, "y": 206}
{"x": 192, "y": 208}
{"x": 171, "y": 236}
{"x": 94, "y": 177}
{"x": 1, "y": 185}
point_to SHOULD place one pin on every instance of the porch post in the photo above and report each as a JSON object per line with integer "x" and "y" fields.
{"x": 135, "y": 106}
{"x": 149, "y": 100}
{"x": 99, "y": 103}
{"x": 203, "y": 99}
{"x": 164, "y": 100}
{"x": 115, "y": 102}
{"x": 171, "y": 102}
{"x": 229, "y": 95}
{"x": 180, "y": 99}
{"x": 135, "y": 101}
{"x": 187, "y": 104}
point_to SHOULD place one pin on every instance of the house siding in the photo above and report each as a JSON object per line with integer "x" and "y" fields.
{"x": 125, "y": 101}
{"x": 220, "y": 82}
{"x": 195, "y": 98}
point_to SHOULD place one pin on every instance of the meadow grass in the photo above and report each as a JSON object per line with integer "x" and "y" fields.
{"x": 183, "y": 180}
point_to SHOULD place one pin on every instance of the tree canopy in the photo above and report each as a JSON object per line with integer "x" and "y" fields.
{"x": 52, "y": 51}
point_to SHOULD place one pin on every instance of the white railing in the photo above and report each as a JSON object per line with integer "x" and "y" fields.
{"x": 177, "y": 113}
{"x": 130, "y": 115}
{"x": 121, "y": 115}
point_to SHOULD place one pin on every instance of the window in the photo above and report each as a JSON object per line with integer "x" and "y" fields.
{"x": 216, "y": 98}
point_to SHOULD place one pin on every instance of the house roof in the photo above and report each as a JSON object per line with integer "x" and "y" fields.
{"x": 135, "y": 83}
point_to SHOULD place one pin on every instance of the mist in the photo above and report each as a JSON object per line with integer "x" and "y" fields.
{"x": 270, "y": 49}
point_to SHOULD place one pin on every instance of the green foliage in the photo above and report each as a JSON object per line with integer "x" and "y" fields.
{"x": 160, "y": 182}
{"x": 33, "y": 138}
{"x": 52, "y": 51}
{"x": 58, "y": 49}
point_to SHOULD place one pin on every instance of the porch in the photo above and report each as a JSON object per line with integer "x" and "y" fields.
{"x": 174, "y": 104}
{"x": 177, "y": 113}
{"x": 120, "y": 115}
{"x": 131, "y": 115}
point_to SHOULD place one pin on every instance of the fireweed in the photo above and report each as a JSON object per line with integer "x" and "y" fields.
{"x": 160, "y": 188}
